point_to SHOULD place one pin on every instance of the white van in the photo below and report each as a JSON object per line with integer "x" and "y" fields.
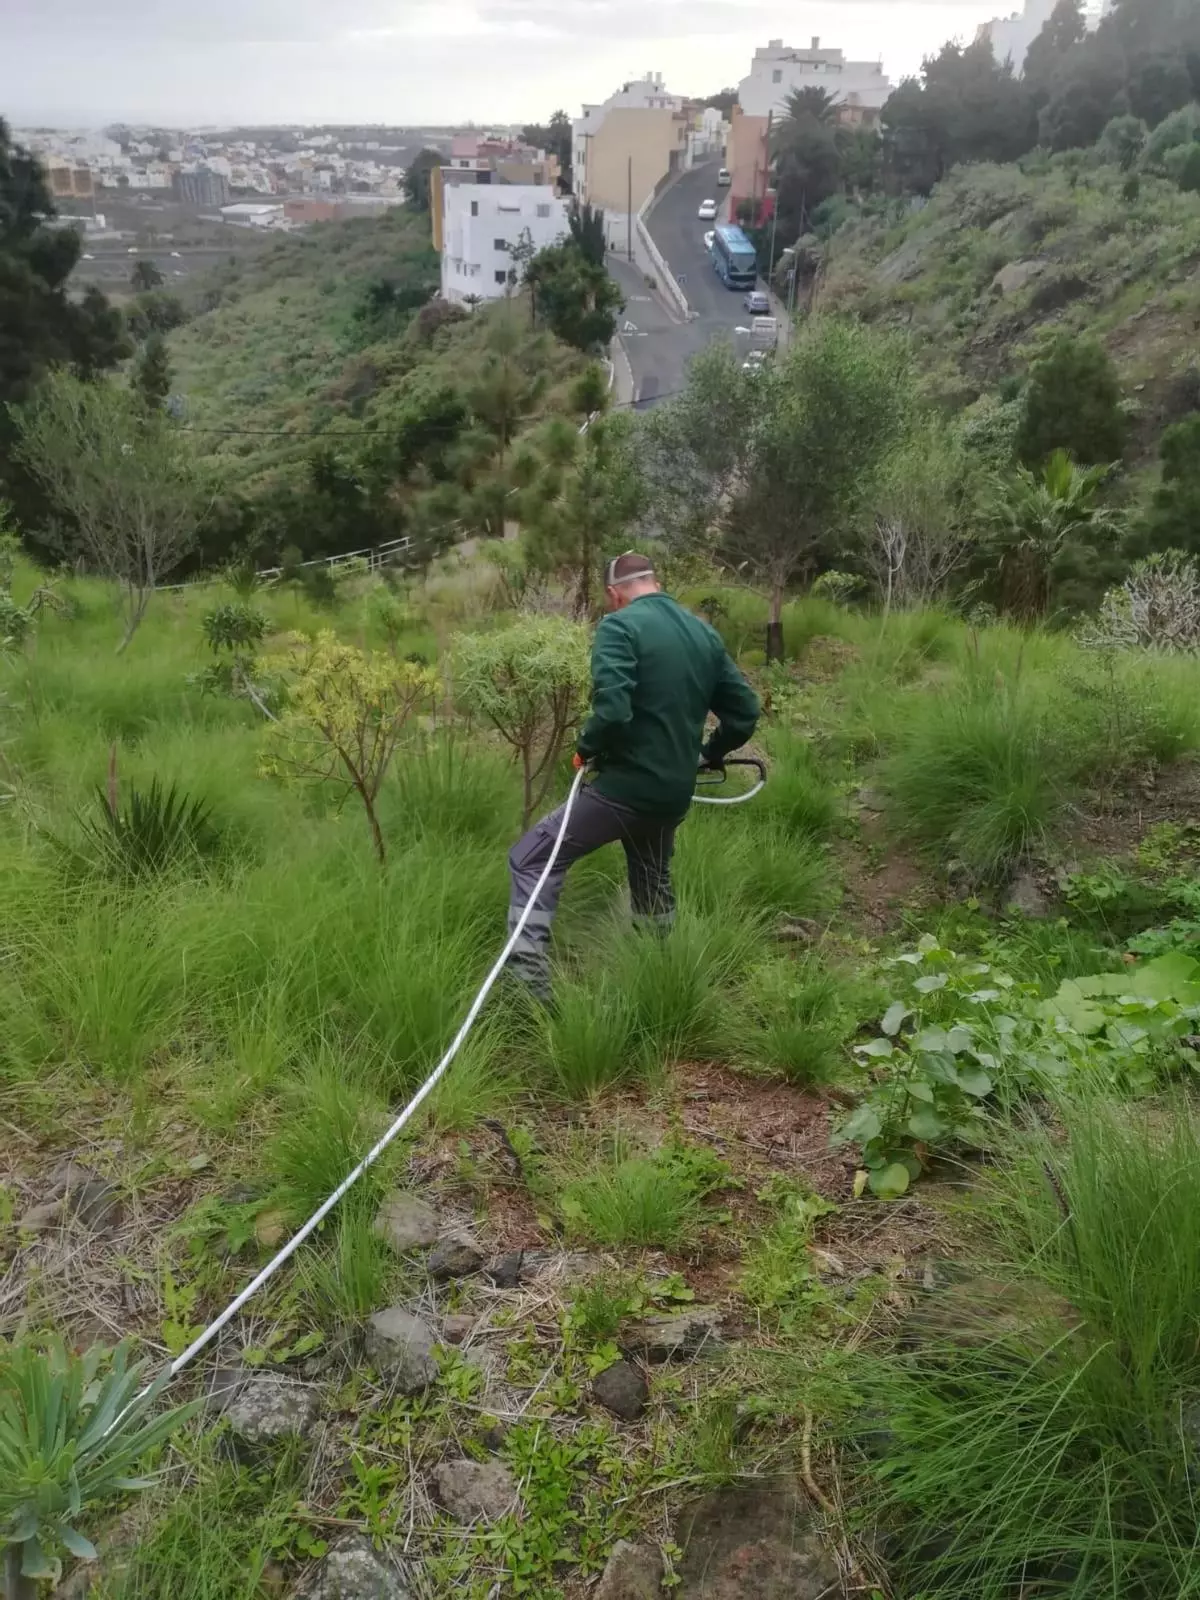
{"x": 724, "y": 178}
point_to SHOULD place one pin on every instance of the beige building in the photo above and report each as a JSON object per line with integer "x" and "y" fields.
{"x": 860, "y": 90}
{"x": 622, "y": 150}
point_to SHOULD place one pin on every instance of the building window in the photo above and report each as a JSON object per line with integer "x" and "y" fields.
{"x": 474, "y": 208}
{"x": 502, "y": 277}
{"x": 499, "y": 244}
{"x": 543, "y": 211}
{"x": 777, "y": 75}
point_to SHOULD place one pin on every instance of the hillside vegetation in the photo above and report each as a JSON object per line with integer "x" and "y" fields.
{"x": 1002, "y": 259}
{"x": 667, "y": 1302}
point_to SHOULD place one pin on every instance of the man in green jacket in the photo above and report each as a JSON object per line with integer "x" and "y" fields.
{"x": 657, "y": 672}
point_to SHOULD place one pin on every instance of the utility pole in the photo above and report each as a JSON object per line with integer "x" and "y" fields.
{"x": 629, "y": 209}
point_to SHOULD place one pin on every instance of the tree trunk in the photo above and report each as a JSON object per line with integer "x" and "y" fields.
{"x": 376, "y": 830}
{"x": 775, "y": 624}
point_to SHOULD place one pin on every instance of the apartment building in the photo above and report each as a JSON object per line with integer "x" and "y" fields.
{"x": 1010, "y": 37}
{"x": 481, "y": 224}
{"x": 622, "y": 150}
{"x": 861, "y": 89}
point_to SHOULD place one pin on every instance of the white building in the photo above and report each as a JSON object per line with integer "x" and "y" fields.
{"x": 1011, "y": 37}
{"x": 248, "y": 213}
{"x": 779, "y": 70}
{"x": 482, "y": 222}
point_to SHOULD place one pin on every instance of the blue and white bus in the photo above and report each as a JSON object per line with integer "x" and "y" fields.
{"x": 734, "y": 257}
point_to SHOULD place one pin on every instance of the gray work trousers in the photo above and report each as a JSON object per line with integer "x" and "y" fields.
{"x": 595, "y": 821}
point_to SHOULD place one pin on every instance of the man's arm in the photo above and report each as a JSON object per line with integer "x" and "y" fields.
{"x": 614, "y": 676}
{"x": 736, "y": 708}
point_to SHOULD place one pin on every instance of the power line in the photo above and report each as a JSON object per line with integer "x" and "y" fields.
{"x": 372, "y": 433}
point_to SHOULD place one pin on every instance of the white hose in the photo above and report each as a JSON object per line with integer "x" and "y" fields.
{"x": 314, "y": 1222}
{"x": 372, "y": 1155}
{"x": 729, "y": 800}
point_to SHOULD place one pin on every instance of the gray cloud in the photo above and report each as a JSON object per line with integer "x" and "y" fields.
{"x": 416, "y": 60}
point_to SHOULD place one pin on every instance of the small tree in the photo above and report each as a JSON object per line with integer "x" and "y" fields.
{"x": 576, "y": 299}
{"x": 588, "y": 491}
{"x": 151, "y": 377}
{"x": 345, "y": 714}
{"x": 145, "y": 277}
{"x": 123, "y": 480}
{"x": 530, "y": 682}
{"x": 1073, "y": 403}
{"x": 918, "y": 534}
{"x": 233, "y": 632}
{"x": 70, "y": 1438}
{"x": 1031, "y": 518}
{"x": 779, "y": 463}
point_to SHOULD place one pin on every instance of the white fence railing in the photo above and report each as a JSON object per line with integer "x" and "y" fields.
{"x": 376, "y": 557}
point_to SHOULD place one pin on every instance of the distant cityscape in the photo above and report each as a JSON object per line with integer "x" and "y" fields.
{"x": 279, "y": 178}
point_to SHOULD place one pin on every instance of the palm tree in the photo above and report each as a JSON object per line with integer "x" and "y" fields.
{"x": 1031, "y": 516}
{"x": 587, "y": 232}
{"x": 811, "y": 104}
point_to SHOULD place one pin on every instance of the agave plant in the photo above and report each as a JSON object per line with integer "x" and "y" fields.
{"x": 70, "y": 1437}
{"x": 155, "y": 829}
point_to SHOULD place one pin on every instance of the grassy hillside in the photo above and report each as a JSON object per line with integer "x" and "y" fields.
{"x": 281, "y": 329}
{"x": 214, "y": 1034}
{"x": 1002, "y": 257}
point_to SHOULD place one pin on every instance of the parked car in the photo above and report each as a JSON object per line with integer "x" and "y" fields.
{"x": 708, "y": 239}
{"x": 724, "y": 178}
{"x": 755, "y": 360}
{"x": 707, "y": 211}
{"x": 757, "y": 303}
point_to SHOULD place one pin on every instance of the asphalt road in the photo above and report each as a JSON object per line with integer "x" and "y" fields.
{"x": 660, "y": 347}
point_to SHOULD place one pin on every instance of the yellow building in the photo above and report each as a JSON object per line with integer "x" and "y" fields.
{"x": 622, "y": 150}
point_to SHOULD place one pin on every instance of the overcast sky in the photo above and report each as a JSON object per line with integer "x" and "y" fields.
{"x": 181, "y": 62}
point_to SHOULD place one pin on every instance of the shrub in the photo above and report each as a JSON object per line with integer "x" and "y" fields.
{"x": 345, "y": 714}
{"x": 1156, "y": 608}
{"x": 1047, "y": 1442}
{"x": 1173, "y": 521}
{"x": 1072, "y": 402}
{"x": 588, "y": 1043}
{"x": 1180, "y": 128}
{"x": 529, "y": 681}
{"x": 978, "y": 771}
{"x": 1123, "y": 141}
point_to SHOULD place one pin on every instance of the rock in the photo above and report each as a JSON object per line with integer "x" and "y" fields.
{"x": 622, "y": 1390}
{"x": 400, "y": 1347}
{"x": 86, "y": 1195}
{"x": 222, "y": 1387}
{"x": 505, "y": 1273}
{"x": 471, "y": 1489}
{"x": 633, "y": 1572}
{"x": 407, "y": 1222}
{"x": 564, "y": 1266}
{"x": 754, "y": 1544}
{"x": 270, "y": 1229}
{"x": 351, "y": 1570}
{"x": 1014, "y": 277}
{"x": 40, "y": 1219}
{"x": 456, "y": 1327}
{"x": 675, "y": 1335}
{"x": 268, "y": 1408}
{"x": 1025, "y": 897}
{"x": 97, "y": 1205}
{"x": 456, "y": 1255}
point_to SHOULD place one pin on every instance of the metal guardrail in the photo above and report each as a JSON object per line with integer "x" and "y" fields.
{"x": 666, "y": 277}
{"x": 376, "y": 556}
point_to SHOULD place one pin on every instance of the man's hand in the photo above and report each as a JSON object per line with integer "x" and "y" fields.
{"x": 708, "y": 764}
{"x": 578, "y": 762}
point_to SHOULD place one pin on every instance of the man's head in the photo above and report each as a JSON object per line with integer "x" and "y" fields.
{"x": 628, "y": 577}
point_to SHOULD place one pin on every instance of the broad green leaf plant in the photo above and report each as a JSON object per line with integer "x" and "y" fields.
{"x": 959, "y": 1037}
{"x": 1136, "y": 1025}
{"x": 72, "y": 1434}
